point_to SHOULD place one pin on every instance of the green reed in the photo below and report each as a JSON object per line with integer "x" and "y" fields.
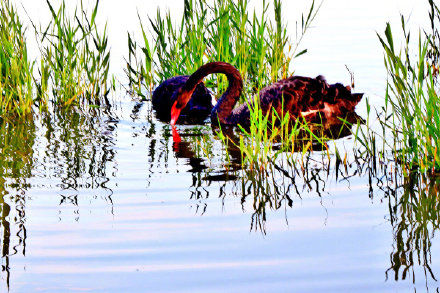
{"x": 412, "y": 96}
{"x": 269, "y": 136}
{"x": 16, "y": 80}
{"x": 225, "y": 30}
{"x": 75, "y": 58}
{"x": 274, "y": 144}
{"x": 433, "y": 37}
{"x": 216, "y": 30}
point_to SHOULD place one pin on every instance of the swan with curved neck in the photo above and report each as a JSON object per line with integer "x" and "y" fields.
{"x": 311, "y": 98}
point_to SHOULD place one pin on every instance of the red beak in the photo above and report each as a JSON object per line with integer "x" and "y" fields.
{"x": 176, "y": 136}
{"x": 174, "y": 114}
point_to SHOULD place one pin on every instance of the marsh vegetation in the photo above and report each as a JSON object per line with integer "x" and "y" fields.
{"x": 65, "y": 144}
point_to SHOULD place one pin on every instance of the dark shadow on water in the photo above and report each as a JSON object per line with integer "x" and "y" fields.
{"x": 271, "y": 188}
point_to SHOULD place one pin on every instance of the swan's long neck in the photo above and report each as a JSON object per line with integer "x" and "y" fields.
{"x": 225, "y": 105}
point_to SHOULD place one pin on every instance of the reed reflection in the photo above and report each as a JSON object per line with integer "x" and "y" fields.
{"x": 75, "y": 150}
{"x": 17, "y": 142}
{"x": 266, "y": 188}
{"x": 158, "y": 138}
{"x": 415, "y": 217}
{"x": 413, "y": 200}
{"x": 79, "y": 152}
{"x": 414, "y": 213}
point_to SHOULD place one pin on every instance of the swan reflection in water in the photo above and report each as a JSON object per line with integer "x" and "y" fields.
{"x": 61, "y": 161}
{"x": 272, "y": 186}
{"x": 413, "y": 200}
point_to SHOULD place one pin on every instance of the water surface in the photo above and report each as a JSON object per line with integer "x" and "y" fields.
{"x": 110, "y": 204}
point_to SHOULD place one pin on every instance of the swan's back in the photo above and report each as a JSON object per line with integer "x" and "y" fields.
{"x": 311, "y": 98}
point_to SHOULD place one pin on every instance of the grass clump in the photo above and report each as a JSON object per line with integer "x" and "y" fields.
{"x": 224, "y": 30}
{"x": 16, "y": 80}
{"x": 216, "y": 30}
{"x": 75, "y": 58}
{"x": 271, "y": 136}
{"x": 412, "y": 95}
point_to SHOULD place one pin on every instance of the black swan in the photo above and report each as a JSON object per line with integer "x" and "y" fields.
{"x": 196, "y": 110}
{"x": 311, "y": 98}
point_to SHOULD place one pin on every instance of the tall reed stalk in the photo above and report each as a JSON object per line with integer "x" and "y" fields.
{"x": 75, "y": 58}
{"x": 412, "y": 95}
{"x": 224, "y": 30}
{"x": 216, "y": 30}
{"x": 16, "y": 81}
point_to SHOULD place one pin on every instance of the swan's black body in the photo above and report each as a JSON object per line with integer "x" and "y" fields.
{"x": 196, "y": 111}
{"x": 311, "y": 98}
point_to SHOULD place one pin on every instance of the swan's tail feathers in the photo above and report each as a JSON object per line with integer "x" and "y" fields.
{"x": 340, "y": 105}
{"x": 343, "y": 97}
{"x": 357, "y": 97}
{"x": 349, "y": 104}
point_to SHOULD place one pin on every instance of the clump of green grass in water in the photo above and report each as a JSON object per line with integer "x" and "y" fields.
{"x": 216, "y": 30}
{"x": 412, "y": 95}
{"x": 16, "y": 80}
{"x": 271, "y": 137}
{"x": 75, "y": 61}
{"x": 257, "y": 45}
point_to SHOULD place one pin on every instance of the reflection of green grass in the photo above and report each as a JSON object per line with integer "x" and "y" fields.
{"x": 17, "y": 141}
{"x": 415, "y": 216}
{"x": 15, "y": 68}
{"x": 263, "y": 190}
{"x": 16, "y": 145}
{"x": 80, "y": 148}
{"x": 217, "y": 31}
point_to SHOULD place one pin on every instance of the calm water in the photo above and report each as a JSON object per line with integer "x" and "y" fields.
{"x": 110, "y": 204}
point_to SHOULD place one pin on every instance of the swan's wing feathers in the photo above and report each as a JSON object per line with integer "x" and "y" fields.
{"x": 298, "y": 94}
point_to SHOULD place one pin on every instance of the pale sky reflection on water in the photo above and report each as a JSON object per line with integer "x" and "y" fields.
{"x": 151, "y": 237}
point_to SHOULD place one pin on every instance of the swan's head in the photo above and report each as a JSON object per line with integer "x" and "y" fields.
{"x": 182, "y": 98}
